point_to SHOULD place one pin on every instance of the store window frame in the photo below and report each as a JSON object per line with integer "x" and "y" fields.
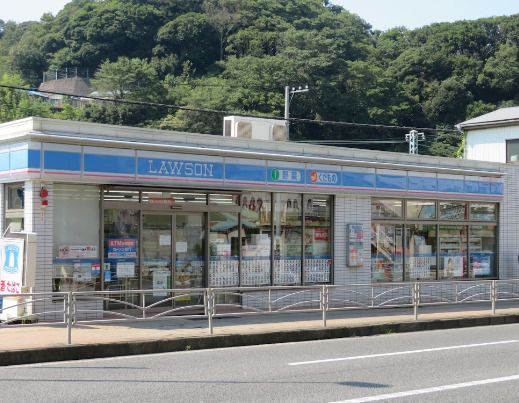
{"x": 511, "y": 142}
{"x": 438, "y": 222}
{"x": 137, "y": 203}
{"x": 12, "y": 214}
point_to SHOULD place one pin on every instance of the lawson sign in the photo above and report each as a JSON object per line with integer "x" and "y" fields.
{"x": 11, "y": 265}
{"x": 177, "y": 168}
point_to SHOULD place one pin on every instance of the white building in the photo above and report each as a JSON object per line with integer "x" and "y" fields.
{"x": 122, "y": 208}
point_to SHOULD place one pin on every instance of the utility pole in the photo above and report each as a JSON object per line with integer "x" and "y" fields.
{"x": 413, "y": 137}
{"x": 289, "y": 94}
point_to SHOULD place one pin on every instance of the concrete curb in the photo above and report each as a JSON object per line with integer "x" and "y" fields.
{"x": 89, "y": 351}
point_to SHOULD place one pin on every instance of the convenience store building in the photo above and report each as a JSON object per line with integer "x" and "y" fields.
{"x": 121, "y": 208}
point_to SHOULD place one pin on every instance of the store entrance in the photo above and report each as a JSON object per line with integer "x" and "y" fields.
{"x": 172, "y": 256}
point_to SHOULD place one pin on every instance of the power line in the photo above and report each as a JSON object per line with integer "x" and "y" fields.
{"x": 222, "y": 112}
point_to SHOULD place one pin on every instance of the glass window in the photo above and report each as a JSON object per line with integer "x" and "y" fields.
{"x": 158, "y": 197}
{"x": 223, "y": 249}
{"x": 15, "y": 196}
{"x": 121, "y": 249}
{"x": 223, "y": 199}
{"x": 386, "y": 252}
{"x": 287, "y": 239}
{"x": 256, "y": 222}
{"x": 483, "y": 212}
{"x": 420, "y": 252}
{"x": 14, "y": 204}
{"x": 512, "y": 151}
{"x": 482, "y": 251}
{"x": 386, "y": 208}
{"x": 76, "y": 259}
{"x": 318, "y": 241}
{"x": 453, "y": 210}
{"x": 121, "y": 195}
{"x": 453, "y": 251}
{"x": 421, "y": 210}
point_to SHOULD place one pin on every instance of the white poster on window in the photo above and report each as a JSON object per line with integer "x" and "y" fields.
{"x": 11, "y": 265}
{"x": 160, "y": 282}
{"x": 77, "y": 252}
{"x": 181, "y": 247}
{"x": 125, "y": 269}
{"x": 164, "y": 240}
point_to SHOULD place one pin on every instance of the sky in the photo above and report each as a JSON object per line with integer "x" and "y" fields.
{"x": 381, "y": 14}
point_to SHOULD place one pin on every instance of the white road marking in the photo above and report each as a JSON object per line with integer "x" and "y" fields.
{"x": 431, "y": 390}
{"x": 426, "y": 350}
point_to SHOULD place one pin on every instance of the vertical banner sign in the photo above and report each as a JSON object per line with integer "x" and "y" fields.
{"x": 355, "y": 245}
{"x": 11, "y": 265}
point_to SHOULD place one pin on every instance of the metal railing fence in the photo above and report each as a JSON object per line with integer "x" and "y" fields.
{"x": 74, "y": 307}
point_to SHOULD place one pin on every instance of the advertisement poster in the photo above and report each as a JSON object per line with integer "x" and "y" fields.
{"x": 122, "y": 248}
{"x": 82, "y": 272}
{"x": 355, "y": 245}
{"x": 77, "y": 252}
{"x": 11, "y": 265}
{"x": 107, "y": 272}
{"x": 125, "y": 269}
{"x": 160, "y": 282}
{"x": 481, "y": 263}
{"x": 453, "y": 266}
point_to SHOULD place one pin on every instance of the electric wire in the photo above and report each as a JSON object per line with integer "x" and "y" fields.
{"x": 234, "y": 113}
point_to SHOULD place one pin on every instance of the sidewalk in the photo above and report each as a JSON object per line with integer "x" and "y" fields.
{"x": 43, "y": 343}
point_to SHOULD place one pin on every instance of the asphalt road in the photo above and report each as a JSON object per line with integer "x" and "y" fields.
{"x": 461, "y": 365}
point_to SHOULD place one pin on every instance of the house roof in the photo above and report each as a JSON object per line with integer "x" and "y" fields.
{"x": 500, "y": 117}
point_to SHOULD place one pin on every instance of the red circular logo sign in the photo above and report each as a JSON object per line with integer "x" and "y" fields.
{"x": 313, "y": 176}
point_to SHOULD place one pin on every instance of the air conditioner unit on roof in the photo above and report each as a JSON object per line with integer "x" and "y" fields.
{"x": 254, "y": 128}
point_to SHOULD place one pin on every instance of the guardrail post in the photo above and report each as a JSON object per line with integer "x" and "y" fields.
{"x": 416, "y": 299}
{"x": 324, "y": 302}
{"x": 210, "y": 308}
{"x": 493, "y": 295}
{"x": 206, "y": 310}
{"x": 143, "y": 305}
{"x": 270, "y": 300}
{"x": 69, "y": 315}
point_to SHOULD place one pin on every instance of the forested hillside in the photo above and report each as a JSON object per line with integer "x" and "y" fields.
{"x": 237, "y": 55}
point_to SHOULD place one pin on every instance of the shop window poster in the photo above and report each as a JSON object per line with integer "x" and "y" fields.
{"x": 122, "y": 248}
{"x": 453, "y": 266}
{"x": 481, "y": 263}
{"x": 355, "y": 245}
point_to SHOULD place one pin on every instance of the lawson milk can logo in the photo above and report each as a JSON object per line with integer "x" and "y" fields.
{"x": 10, "y": 264}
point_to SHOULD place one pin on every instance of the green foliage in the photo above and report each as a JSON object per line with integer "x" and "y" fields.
{"x": 238, "y": 55}
{"x": 128, "y": 79}
{"x": 17, "y": 104}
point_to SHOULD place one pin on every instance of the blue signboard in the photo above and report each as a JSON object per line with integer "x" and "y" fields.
{"x": 428, "y": 184}
{"x": 358, "y": 179}
{"x": 246, "y": 173}
{"x": 62, "y": 160}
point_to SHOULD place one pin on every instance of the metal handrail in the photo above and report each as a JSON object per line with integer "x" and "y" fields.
{"x": 261, "y": 301}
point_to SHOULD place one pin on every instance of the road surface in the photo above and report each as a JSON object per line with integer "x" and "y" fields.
{"x": 461, "y": 365}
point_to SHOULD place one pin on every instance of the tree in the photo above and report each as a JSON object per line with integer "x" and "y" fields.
{"x": 223, "y": 16}
{"x": 128, "y": 79}
{"x": 17, "y": 104}
{"x": 190, "y": 38}
{"x": 501, "y": 71}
